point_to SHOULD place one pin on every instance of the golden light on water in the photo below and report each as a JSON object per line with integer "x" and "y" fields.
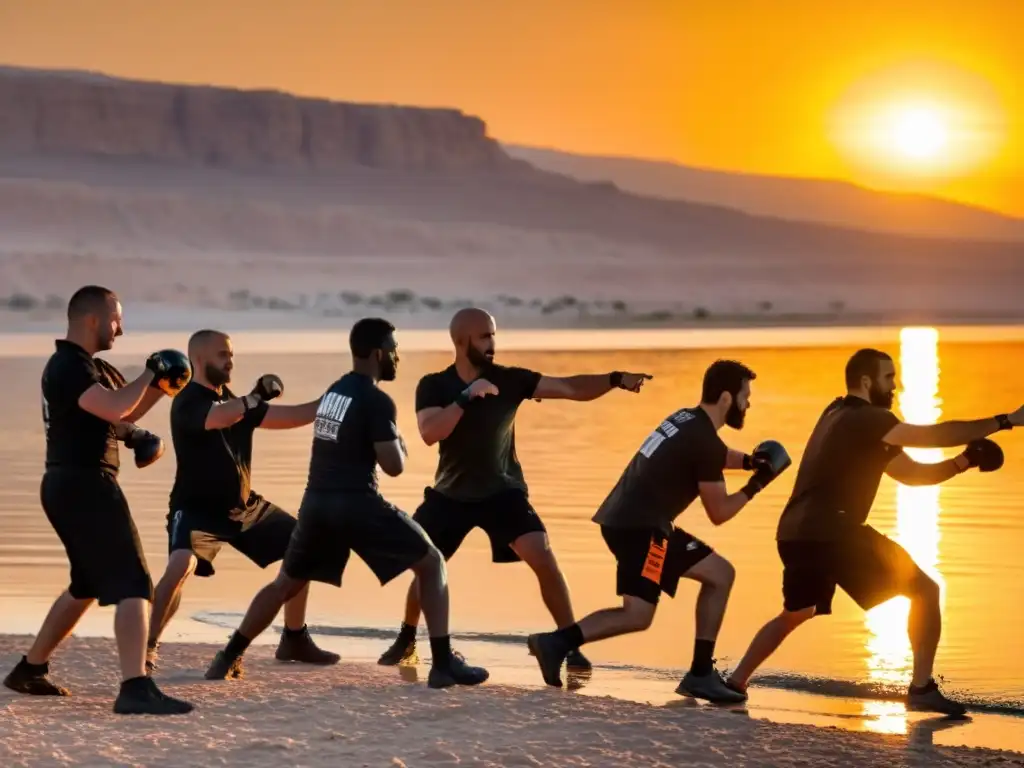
{"x": 890, "y": 659}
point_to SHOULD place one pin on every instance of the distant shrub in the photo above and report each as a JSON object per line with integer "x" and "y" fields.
{"x": 350, "y": 297}
{"x": 619, "y": 306}
{"x": 431, "y": 302}
{"x": 701, "y": 313}
{"x": 21, "y": 302}
{"x": 400, "y": 296}
{"x": 765, "y": 306}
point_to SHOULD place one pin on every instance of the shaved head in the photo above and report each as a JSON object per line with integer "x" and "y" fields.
{"x": 472, "y": 330}
{"x": 212, "y": 357}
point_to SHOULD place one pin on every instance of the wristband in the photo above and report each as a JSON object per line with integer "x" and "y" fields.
{"x": 748, "y": 462}
{"x": 751, "y": 489}
{"x": 616, "y": 379}
{"x": 1004, "y": 422}
{"x": 245, "y": 404}
{"x": 463, "y": 399}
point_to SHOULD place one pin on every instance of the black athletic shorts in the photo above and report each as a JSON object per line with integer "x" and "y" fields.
{"x": 261, "y": 532}
{"x": 333, "y": 524}
{"x": 91, "y": 516}
{"x": 871, "y": 569}
{"x": 504, "y": 517}
{"x": 649, "y": 563}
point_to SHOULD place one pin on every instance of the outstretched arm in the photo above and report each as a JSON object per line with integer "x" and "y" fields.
{"x": 904, "y": 469}
{"x": 290, "y": 416}
{"x": 948, "y": 434}
{"x": 588, "y": 386}
{"x": 145, "y": 405}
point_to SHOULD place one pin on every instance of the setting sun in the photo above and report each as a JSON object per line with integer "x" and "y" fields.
{"x": 919, "y": 132}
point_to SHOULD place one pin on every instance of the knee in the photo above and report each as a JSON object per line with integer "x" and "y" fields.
{"x": 284, "y": 587}
{"x": 790, "y": 620}
{"x": 180, "y": 565}
{"x": 639, "y": 616}
{"x": 720, "y": 574}
{"x": 429, "y": 566}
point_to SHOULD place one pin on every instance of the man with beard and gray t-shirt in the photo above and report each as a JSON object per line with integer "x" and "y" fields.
{"x": 823, "y": 537}
{"x": 681, "y": 460}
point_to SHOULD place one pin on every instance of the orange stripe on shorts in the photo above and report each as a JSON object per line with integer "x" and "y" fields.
{"x": 655, "y": 561}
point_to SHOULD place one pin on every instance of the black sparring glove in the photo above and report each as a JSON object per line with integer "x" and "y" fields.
{"x": 268, "y": 386}
{"x": 984, "y": 454}
{"x": 769, "y": 460}
{"x": 171, "y": 371}
{"x": 147, "y": 446}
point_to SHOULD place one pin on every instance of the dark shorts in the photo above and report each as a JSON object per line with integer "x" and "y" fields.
{"x": 262, "y": 534}
{"x": 91, "y": 516}
{"x": 649, "y": 563}
{"x": 332, "y": 525}
{"x": 504, "y": 517}
{"x": 870, "y": 568}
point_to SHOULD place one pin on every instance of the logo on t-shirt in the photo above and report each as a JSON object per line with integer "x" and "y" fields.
{"x": 329, "y": 416}
{"x": 663, "y": 431}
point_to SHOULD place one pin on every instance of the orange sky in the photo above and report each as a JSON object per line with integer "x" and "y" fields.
{"x": 738, "y": 85}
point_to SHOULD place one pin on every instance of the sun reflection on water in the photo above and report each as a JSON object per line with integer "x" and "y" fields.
{"x": 889, "y": 659}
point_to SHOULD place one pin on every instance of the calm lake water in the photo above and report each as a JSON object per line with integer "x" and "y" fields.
{"x": 969, "y": 533}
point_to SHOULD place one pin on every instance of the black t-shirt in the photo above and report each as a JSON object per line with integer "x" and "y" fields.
{"x": 663, "y": 477}
{"x": 478, "y": 459}
{"x": 840, "y": 471}
{"x": 75, "y": 437}
{"x": 353, "y": 414}
{"x": 214, "y": 471}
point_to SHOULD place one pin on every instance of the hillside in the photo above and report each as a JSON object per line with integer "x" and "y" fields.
{"x": 192, "y": 197}
{"x": 820, "y": 201}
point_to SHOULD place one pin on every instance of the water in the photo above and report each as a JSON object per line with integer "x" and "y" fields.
{"x": 844, "y": 669}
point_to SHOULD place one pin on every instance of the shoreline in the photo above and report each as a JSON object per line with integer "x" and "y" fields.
{"x": 360, "y": 713}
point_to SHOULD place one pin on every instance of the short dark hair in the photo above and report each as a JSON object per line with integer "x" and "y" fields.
{"x": 369, "y": 334}
{"x": 724, "y": 376}
{"x": 864, "y": 362}
{"x": 89, "y": 300}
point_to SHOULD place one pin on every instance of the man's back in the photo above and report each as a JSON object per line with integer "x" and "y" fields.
{"x": 664, "y": 475}
{"x": 840, "y": 471}
{"x": 354, "y": 414}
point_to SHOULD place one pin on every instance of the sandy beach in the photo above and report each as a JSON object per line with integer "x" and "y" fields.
{"x": 360, "y": 714}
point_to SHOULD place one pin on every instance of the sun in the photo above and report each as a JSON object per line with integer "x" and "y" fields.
{"x": 918, "y": 133}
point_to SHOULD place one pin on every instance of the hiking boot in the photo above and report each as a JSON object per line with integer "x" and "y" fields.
{"x": 140, "y": 696}
{"x": 402, "y": 651}
{"x": 299, "y": 646}
{"x": 33, "y": 679}
{"x": 575, "y": 661}
{"x": 455, "y": 672}
{"x": 223, "y": 667}
{"x": 710, "y": 687}
{"x": 930, "y": 699}
{"x": 550, "y": 652}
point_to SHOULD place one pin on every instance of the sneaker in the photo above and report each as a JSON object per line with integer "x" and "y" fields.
{"x": 402, "y": 651}
{"x": 550, "y": 653}
{"x": 456, "y": 672}
{"x": 140, "y": 696}
{"x": 710, "y": 687}
{"x": 33, "y": 679}
{"x": 577, "y": 662}
{"x": 222, "y": 667}
{"x": 299, "y": 646}
{"x": 930, "y": 699}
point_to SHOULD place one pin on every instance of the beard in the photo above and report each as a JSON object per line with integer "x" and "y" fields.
{"x": 479, "y": 359}
{"x": 388, "y": 369}
{"x": 216, "y": 376}
{"x": 734, "y": 417}
{"x": 881, "y": 399}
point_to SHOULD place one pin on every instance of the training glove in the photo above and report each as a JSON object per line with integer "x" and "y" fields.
{"x": 268, "y": 386}
{"x": 171, "y": 371}
{"x": 984, "y": 454}
{"x": 769, "y": 460}
{"x": 147, "y": 446}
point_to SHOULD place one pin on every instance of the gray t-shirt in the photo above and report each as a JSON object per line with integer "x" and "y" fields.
{"x": 663, "y": 477}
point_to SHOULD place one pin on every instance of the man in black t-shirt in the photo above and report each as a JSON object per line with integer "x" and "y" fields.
{"x": 823, "y": 537}
{"x": 87, "y": 408}
{"x": 682, "y": 459}
{"x": 470, "y": 409}
{"x": 343, "y": 511}
{"x": 212, "y": 502}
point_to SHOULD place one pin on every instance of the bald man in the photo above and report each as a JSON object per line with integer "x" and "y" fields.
{"x": 212, "y": 503}
{"x": 469, "y": 409}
